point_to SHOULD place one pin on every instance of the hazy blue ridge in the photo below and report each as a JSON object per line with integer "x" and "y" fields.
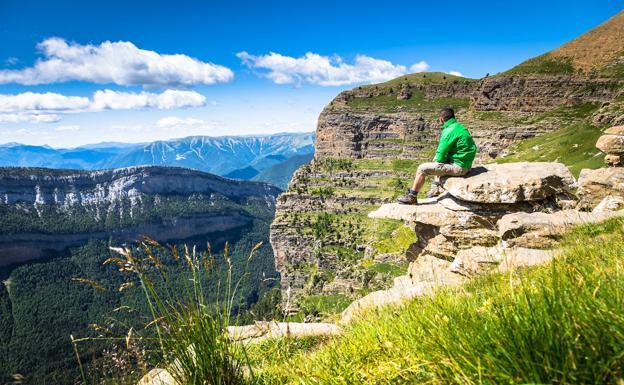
{"x": 217, "y": 155}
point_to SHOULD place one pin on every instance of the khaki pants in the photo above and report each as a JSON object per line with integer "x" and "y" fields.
{"x": 442, "y": 169}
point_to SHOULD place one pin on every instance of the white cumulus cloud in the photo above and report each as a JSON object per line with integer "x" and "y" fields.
{"x": 48, "y": 101}
{"x": 46, "y": 107}
{"x": 456, "y": 73}
{"x": 324, "y": 70}
{"x": 421, "y": 66}
{"x": 114, "y": 100}
{"x": 120, "y": 62}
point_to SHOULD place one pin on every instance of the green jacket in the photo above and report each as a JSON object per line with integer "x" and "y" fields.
{"x": 456, "y": 145}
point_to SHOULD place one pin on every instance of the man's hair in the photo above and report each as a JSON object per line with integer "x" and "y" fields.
{"x": 447, "y": 113}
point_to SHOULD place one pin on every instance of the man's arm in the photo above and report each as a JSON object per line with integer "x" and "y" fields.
{"x": 446, "y": 142}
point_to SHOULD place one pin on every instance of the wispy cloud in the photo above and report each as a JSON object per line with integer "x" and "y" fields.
{"x": 67, "y": 128}
{"x": 324, "y": 70}
{"x": 176, "y": 123}
{"x": 29, "y": 117}
{"x": 46, "y": 107}
{"x": 11, "y": 61}
{"x": 121, "y": 63}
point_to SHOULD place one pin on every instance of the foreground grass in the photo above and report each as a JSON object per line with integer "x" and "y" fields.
{"x": 562, "y": 323}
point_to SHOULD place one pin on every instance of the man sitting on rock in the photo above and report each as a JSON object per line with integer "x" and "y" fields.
{"x": 454, "y": 156}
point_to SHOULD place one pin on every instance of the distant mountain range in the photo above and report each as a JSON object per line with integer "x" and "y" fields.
{"x": 239, "y": 157}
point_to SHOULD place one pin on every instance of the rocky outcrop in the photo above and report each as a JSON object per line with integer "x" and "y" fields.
{"x": 612, "y": 141}
{"x": 603, "y": 189}
{"x": 469, "y": 213}
{"x": 511, "y": 219}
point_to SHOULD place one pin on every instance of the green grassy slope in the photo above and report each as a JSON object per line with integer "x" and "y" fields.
{"x": 559, "y": 323}
{"x": 573, "y": 144}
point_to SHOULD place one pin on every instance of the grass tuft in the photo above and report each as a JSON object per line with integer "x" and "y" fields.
{"x": 190, "y": 311}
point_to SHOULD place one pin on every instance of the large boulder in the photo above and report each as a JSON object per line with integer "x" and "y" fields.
{"x": 540, "y": 230}
{"x": 612, "y": 141}
{"x": 511, "y": 182}
{"x": 596, "y": 185}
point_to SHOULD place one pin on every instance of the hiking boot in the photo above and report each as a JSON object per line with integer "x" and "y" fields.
{"x": 409, "y": 198}
{"x": 434, "y": 191}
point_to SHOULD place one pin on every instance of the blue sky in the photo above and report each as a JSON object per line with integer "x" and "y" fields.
{"x": 243, "y": 67}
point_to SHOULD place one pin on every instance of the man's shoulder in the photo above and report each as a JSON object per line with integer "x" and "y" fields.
{"x": 457, "y": 123}
{"x": 458, "y": 127}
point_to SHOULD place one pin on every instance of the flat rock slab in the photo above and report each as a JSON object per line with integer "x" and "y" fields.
{"x": 261, "y": 331}
{"x": 438, "y": 211}
{"x": 511, "y": 182}
{"x": 401, "y": 212}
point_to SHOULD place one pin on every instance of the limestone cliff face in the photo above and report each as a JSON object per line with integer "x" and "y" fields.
{"x": 370, "y": 141}
{"x": 68, "y": 187}
{"x": 45, "y": 211}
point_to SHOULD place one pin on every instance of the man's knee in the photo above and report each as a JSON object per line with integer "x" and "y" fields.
{"x": 427, "y": 168}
